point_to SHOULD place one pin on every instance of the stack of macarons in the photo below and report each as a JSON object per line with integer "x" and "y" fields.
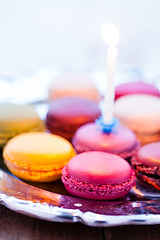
{"x": 73, "y": 118}
{"x": 95, "y": 166}
{"x": 42, "y": 157}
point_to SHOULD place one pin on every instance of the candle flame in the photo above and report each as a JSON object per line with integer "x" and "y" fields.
{"x": 110, "y": 34}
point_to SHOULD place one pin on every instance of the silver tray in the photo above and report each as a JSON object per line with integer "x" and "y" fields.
{"x": 51, "y": 206}
{"x": 51, "y": 202}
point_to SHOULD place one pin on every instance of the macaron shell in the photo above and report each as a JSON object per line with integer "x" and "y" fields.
{"x": 75, "y": 85}
{"x": 5, "y": 137}
{"x": 66, "y": 115}
{"x": 90, "y": 137}
{"x": 136, "y": 88}
{"x": 35, "y": 148}
{"x": 99, "y": 168}
{"x": 139, "y": 112}
{"x": 16, "y": 119}
{"x": 37, "y": 156}
{"x": 149, "y": 155}
{"x": 145, "y": 138}
{"x": 72, "y": 111}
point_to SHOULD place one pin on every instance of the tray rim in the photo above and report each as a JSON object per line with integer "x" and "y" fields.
{"x": 47, "y": 212}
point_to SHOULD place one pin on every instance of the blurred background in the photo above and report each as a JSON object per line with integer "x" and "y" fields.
{"x": 43, "y": 38}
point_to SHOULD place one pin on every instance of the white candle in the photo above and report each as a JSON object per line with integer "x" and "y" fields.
{"x": 111, "y": 37}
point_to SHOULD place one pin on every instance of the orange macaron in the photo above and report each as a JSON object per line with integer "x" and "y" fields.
{"x": 37, "y": 156}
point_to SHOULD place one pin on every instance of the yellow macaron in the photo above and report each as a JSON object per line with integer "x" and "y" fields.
{"x": 16, "y": 119}
{"x": 37, "y": 156}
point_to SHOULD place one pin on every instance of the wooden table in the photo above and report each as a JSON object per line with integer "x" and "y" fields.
{"x": 17, "y": 226}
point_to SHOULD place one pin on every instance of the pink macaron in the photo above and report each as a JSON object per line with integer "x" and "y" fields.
{"x": 121, "y": 141}
{"x": 98, "y": 175}
{"x": 147, "y": 164}
{"x": 136, "y": 88}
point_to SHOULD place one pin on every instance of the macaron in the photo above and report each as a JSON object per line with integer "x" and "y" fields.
{"x": 16, "y": 119}
{"x": 67, "y": 114}
{"x": 37, "y": 157}
{"x": 147, "y": 164}
{"x": 141, "y": 113}
{"x": 137, "y": 87}
{"x": 90, "y": 137}
{"x": 98, "y": 175}
{"x": 73, "y": 85}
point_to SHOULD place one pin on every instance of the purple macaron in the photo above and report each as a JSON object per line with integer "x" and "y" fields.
{"x": 67, "y": 114}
